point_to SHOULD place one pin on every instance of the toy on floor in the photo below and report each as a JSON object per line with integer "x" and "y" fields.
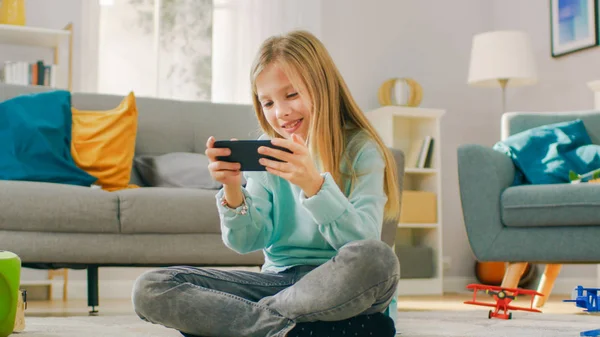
{"x": 587, "y": 301}
{"x": 503, "y": 298}
{"x": 590, "y": 333}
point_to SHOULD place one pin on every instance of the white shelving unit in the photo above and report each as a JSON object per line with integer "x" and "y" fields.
{"x": 59, "y": 40}
{"x": 401, "y": 128}
{"x": 61, "y": 43}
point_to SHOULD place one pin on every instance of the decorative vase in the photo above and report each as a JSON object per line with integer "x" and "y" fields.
{"x": 12, "y": 12}
{"x": 400, "y": 91}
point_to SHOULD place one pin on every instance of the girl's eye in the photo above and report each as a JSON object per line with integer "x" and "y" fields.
{"x": 267, "y": 104}
{"x": 292, "y": 95}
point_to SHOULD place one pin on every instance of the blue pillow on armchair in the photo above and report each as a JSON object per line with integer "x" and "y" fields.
{"x": 546, "y": 154}
{"x": 35, "y": 140}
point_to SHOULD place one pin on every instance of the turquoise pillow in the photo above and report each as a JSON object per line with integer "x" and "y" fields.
{"x": 35, "y": 140}
{"x": 546, "y": 154}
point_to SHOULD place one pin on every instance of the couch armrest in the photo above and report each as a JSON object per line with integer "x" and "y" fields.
{"x": 388, "y": 233}
{"x": 483, "y": 174}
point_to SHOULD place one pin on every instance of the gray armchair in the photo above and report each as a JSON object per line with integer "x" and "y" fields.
{"x": 553, "y": 224}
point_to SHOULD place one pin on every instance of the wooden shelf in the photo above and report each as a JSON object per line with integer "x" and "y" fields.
{"x": 420, "y": 170}
{"x": 418, "y": 225}
{"x": 56, "y": 39}
{"x": 32, "y": 36}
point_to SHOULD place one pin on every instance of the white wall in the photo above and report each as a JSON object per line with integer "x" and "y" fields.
{"x": 562, "y": 80}
{"x": 429, "y": 41}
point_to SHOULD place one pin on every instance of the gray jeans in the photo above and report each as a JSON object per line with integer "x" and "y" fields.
{"x": 360, "y": 279}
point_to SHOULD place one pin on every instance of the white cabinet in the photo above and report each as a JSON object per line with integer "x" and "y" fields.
{"x": 407, "y": 128}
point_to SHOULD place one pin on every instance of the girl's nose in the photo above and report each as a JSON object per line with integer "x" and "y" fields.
{"x": 282, "y": 110}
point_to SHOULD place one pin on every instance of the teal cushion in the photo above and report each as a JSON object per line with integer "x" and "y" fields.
{"x": 35, "y": 140}
{"x": 546, "y": 154}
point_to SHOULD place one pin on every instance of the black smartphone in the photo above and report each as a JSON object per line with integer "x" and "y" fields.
{"x": 246, "y": 153}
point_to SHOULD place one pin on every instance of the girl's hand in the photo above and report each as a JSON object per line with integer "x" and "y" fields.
{"x": 228, "y": 174}
{"x": 298, "y": 167}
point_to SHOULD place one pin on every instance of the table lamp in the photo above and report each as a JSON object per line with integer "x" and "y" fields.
{"x": 502, "y": 58}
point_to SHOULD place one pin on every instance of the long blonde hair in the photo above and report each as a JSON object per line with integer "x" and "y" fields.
{"x": 305, "y": 60}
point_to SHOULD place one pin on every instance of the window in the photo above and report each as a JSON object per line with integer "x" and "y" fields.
{"x": 158, "y": 48}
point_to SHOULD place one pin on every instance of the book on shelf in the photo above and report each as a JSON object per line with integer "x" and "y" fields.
{"x": 26, "y": 73}
{"x": 420, "y": 153}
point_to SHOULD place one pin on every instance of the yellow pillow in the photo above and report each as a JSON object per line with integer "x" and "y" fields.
{"x": 103, "y": 143}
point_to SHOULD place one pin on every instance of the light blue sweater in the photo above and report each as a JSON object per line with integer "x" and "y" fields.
{"x": 294, "y": 230}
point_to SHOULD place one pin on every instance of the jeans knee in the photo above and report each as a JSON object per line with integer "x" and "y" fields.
{"x": 144, "y": 290}
{"x": 375, "y": 258}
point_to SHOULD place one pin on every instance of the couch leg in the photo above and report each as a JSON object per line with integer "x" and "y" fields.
{"x": 92, "y": 281}
{"x": 513, "y": 274}
{"x": 546, "y": 284}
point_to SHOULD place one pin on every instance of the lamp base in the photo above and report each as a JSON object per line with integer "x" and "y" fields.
{"x": 503, "y": 83}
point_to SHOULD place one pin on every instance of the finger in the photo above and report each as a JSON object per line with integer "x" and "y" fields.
{"x": 275, "y": 172}
{"x": 298, "y": 139}
{"x": 275, "y": 153}
{"x": 282, "y": 174}
{"x": 214, "y": 152}
{"x": 277, "y": 165}
{"x": 223, "y": 166}
{"x": 210, "y": 142}
{"x": 222, "y": 175}
{"x": 289, "y": 144}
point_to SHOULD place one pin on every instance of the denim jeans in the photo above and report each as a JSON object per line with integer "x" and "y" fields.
{"x": 360, "y": 279}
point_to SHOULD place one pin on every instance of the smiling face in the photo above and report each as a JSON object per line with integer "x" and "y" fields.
{"x": 282, "y": 104}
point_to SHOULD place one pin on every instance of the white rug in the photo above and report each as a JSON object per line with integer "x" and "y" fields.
{"x": 410, "y": 324}
{"x": 476, "y": 323}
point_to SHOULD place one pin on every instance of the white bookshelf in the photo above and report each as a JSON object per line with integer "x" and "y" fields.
{"x": 405, "y": 128}
{"x": 59, "y": 40}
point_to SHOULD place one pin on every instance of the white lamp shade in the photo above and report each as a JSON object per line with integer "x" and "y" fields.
{"x": 502, "y": 55}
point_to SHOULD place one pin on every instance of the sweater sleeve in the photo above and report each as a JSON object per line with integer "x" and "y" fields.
{"x": 245, "y": 233}
{"x": 358, "y": 217}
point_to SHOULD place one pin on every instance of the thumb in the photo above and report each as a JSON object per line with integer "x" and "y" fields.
{"x": 297, "y": 139}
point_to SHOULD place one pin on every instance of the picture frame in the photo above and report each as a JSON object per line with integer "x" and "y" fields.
{"x": 573, "y": 26}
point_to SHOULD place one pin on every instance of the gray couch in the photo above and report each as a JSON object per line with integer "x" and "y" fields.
{"x": 552, "y": 223}
{"x": 54, "y": 226}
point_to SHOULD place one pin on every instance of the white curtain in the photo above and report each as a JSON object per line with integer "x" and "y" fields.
{"x": 239, "y": 27}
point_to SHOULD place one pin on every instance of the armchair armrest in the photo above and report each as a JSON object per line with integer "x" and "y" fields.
{"x": 483, "y": 174}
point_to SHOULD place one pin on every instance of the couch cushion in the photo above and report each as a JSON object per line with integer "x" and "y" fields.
{"x": 546, "y": 154}
{"x": 177, "y": 169}
{"x": 103, "y": 143}
{"x": 168, "y": 210}
{"x": 35, "y": 138}
{"x": 50, "y": 207}
{"x": 551, "y": 205}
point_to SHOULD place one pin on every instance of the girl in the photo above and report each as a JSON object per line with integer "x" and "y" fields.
{"x": 317, "y": 216}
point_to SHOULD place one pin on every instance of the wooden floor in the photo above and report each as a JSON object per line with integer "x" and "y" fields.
{"x": 446, "y": 302}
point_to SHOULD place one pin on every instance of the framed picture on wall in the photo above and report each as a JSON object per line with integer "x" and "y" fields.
{"x": 573, "y": 25}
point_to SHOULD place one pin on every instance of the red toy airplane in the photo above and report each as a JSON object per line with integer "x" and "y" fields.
{"x": 503, "y": 297}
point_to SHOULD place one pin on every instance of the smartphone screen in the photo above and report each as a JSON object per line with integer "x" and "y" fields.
{"x": 246, "y": 153}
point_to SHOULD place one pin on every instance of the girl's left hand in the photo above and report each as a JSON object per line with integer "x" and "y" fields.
{"x": 298, "y": 167}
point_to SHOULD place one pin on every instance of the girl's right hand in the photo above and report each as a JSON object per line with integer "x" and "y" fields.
{"x": 226, "y": 173}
